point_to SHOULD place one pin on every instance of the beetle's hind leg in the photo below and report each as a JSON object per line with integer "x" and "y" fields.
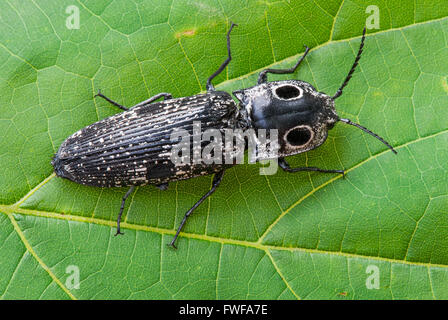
{"x": 216, "y": 181}
{"x": 209, "y": 85}
{"x": 123, "y": 200}
{"x": 165, "y": 96}
{"x": 263, "y": 77}
{"x": 285, "y": 166}
{"x": 99, "y": 94}
{"x": 162, "y": 186}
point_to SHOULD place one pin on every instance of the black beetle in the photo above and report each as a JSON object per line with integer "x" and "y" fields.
{"x": 133, "y": 148}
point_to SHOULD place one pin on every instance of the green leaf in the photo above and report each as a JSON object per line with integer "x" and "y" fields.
{"x": 285, "y": 236}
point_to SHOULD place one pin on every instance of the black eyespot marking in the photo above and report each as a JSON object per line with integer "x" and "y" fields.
{"x": 299, "y": 136}
{"x": 288, "y": 92}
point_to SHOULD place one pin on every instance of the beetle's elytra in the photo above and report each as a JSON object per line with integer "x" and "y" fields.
{"x": 133, "y": 148}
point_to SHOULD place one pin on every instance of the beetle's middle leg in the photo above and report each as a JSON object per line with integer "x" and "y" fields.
{"x": 216, "y": 181}
{"x": 209, "y": 85}
{"x": 285, "y": 166}
{"x": 165, "y": 96}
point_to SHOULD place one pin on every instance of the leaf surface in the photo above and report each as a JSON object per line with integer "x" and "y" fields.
{"x": 285, "y": 236}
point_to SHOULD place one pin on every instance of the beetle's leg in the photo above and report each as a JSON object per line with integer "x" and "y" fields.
{"x": 123, "y": 200}
{"x": 285, "y": 166}
{"x": 162, "y": 186}
{"x": 216, "y": 181}
{"x": 165, "y": 96}
{"x": 263, "y": 77}
{"x": 99, "y": 94}
{"x": 209, "y": 85}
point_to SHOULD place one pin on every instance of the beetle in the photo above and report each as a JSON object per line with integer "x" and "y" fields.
{"x": 133, "y": 148}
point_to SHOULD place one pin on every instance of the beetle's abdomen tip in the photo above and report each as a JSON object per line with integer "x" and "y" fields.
{"x": 56, "y": 163}
{"x": 58, "y": 166}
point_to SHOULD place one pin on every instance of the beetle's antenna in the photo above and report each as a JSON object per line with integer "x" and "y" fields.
{"x": 355, "y": 64}
{"x": 347, "y": 121}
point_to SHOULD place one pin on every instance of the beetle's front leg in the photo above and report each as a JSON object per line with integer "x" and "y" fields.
{"x": 263, "y": 76}
{"x": 285, "y": 166}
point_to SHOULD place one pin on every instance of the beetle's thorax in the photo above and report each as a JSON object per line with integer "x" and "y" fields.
{"x": 300, "y": 114}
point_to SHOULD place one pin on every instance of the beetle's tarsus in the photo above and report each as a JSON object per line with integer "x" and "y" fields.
{"x": 172, "y": 245}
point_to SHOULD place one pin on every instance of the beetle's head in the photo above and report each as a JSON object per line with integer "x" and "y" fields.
{"x": 301, "y": 114}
